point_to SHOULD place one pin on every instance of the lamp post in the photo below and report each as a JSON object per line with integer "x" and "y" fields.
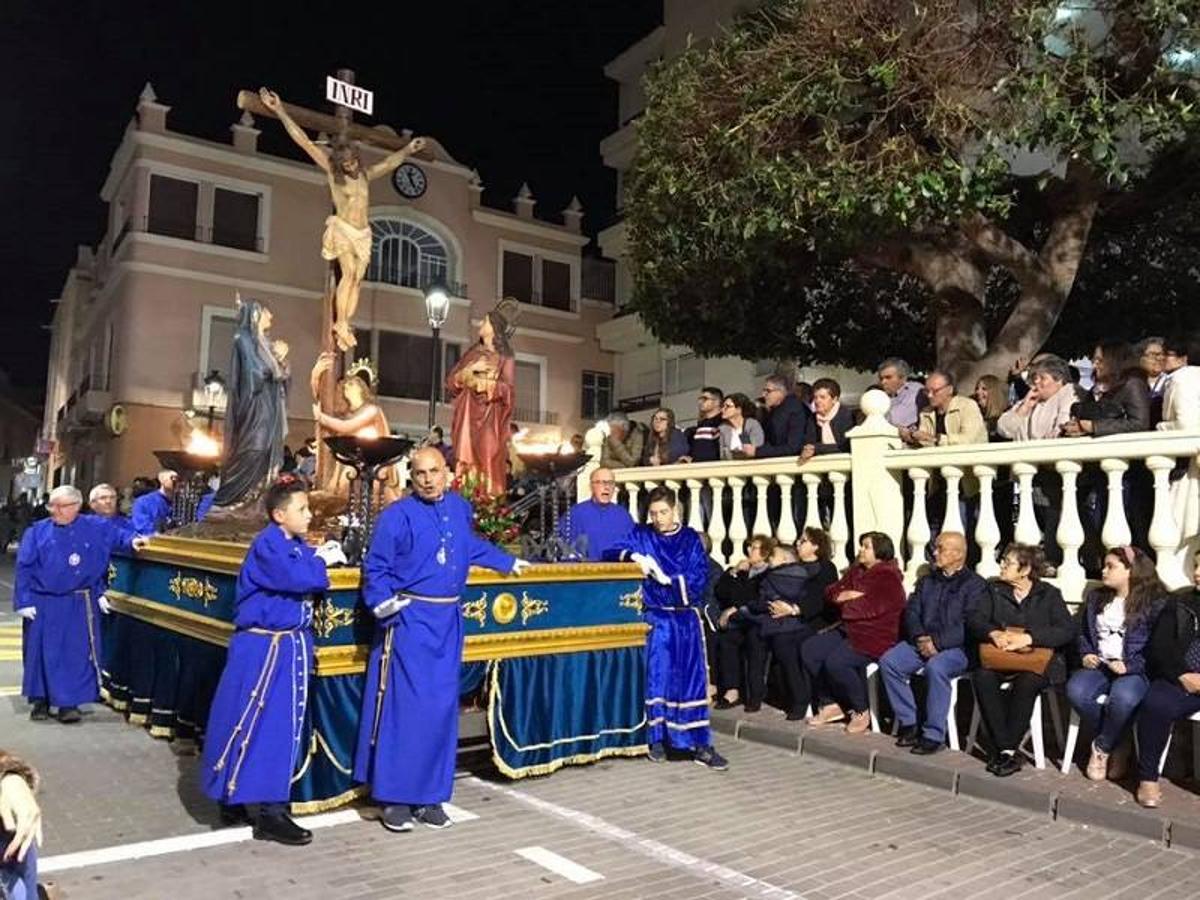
{"x": 437, "y": 307}
{"x": 214, "y": 391}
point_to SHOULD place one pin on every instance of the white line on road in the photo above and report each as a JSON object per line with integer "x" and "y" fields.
{"x": 656, "y": 850}
{"x": 457, "y": 814}
{"x": 559, "y": 865}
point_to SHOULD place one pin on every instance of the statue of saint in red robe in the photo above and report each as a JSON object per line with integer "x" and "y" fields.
{"x": 483, "y": 391}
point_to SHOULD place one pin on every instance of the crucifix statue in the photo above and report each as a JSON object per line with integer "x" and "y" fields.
{"x": 347, "y": 237}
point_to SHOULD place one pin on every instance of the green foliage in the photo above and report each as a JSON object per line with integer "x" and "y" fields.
{"x": 775, "y": 161}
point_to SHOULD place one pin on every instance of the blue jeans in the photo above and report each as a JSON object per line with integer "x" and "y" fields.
{"x": 18, "y": 881}
{"x": 897, "y": 667}
{"x": 1108, "y": 722}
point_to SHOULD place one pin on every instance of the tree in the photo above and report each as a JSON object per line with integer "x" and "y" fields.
{"x": 904, "y": 177}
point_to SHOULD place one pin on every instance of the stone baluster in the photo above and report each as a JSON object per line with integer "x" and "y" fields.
{"x": 1071, "y": 578}
{"x": 1164, "y": 530}
{"x": 674, "y": 485}
{"x": 987, "y": 529}
{"x": 737, "y": 524}
{"x": 716, "y": 523}
{"x": 787, "y": 520}
{"x": 918, "y": 525}
{"x": 632, "y": 487}
{"x": 695, "y": 507}
{"x": 812, "y": 486}
{"x": 762, "y": 519}
{"x": 1115, "y": 532}
{"x": 953, "y": 518}
{"x": 839, "y": 527}
{"x": 1027, "y": 531}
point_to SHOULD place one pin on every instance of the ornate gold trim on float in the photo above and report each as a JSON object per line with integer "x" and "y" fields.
{"x": 351, "y": 659}
{"x": 226, "y": 557}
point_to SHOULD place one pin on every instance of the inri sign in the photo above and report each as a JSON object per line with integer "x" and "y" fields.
{"x": 359, "y": 99}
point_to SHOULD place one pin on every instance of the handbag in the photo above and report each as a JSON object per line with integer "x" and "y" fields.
{"x": 1031, "y": 659}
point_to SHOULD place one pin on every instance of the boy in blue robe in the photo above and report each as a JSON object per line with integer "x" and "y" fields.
{"x": 414, "y": 573}
{"x": 62, "y": 569}
{"x": 151, "y": 513}
{"x": 601, "y": 520}
{"x": 676, "y": 568}
{"x": 252, "y": 743}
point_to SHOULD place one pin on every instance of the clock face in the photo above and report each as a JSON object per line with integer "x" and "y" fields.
{"x": 409, "y": 180}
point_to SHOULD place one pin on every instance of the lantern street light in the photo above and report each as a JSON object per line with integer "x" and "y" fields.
{"x": 437, "y": 307}
{"x": 214, "y": 394}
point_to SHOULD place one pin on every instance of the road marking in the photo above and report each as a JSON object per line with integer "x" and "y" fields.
{"x": 182, "y": 843}
{"x": 559, "y": 865}
{"x": 10, "y": 692}
{"x": 655, "y": 850}
{"x": 457, "y": 814}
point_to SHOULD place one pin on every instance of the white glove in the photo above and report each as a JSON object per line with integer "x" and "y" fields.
{"x": 390, "y": 606}
{"x": 104, "y": 603}
{"x": 331, "y": 554}
{"x": 650, "y": 567}
{"x": 603, "y": 427}
{"x": 27, "y": 612}
{"x": 520, "y": 565}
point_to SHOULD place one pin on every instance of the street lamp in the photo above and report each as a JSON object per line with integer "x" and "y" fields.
{"x": 214, "y": 392}
{"x": 437, "y": 307}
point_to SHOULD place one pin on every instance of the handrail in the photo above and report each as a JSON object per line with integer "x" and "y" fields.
{"x": 1140, "y": 445}
{"x": 736, "y": 468}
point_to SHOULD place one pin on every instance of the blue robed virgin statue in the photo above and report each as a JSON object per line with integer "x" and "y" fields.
{"x": 256, "y": 415}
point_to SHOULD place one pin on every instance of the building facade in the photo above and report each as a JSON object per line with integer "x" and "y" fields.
{"x": 19, "y": 432}
{"x": 146, "y": 316}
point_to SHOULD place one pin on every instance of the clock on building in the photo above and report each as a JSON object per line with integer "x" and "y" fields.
{"x": 409, "y": 181}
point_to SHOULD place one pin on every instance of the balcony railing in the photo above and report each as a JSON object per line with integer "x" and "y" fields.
{"x": 910, "y": 494}
{"x": 534, "y": 416}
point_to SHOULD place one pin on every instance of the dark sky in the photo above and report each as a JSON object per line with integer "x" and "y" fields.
{"x": 514, "y": 88}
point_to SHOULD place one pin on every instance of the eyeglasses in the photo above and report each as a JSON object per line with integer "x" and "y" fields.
{"x": 935, "y": 390}
{"x": 1153, "y": 354}
{"x": 772, "y": 390}
{"x": 609, "y": 482}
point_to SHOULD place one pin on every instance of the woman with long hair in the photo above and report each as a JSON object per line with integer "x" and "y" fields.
{"x": 1120, "y": 397}
{"x": 665, "y": 443}
{"x": 992, "y": 396}
{"x": 739, "y": 427}
{"x": 1117, "y": 621}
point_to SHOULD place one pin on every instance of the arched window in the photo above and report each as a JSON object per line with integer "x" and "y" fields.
{"x": 406, "y": 254}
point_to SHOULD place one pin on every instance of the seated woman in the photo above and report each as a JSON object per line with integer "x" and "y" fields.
{"x": 870, "y": 599}
{"x": 1173, "y": 661}
{"x": 739, "y": 427}
{"x": 665, "y": 443}
{"x": 789, "y": 609}
{"x": 1019, "y": 613}
{"x": 1117, "y": 620}
{"x": 737, "y": 587}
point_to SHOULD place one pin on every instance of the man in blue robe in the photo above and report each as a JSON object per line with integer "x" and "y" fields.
{"x": 676, "y": 569}
{"x": 414, "y": 574}
{"x": 152, "y": 511}
{"x": 102, "y": 501}
{"x": 62, "y": 569}
{"x": 252, "y": 745}
{"x": 600, "y": 521}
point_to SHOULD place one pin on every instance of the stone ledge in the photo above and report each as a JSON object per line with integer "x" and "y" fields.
{"x": 920, "y": 769}
{"x": 1118, "y": 817}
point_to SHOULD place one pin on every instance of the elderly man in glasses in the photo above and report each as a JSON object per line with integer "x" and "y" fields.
{"x": 599, "y": 523}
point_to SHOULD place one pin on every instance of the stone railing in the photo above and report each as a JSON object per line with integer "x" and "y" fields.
{"x": 892, "y": 485}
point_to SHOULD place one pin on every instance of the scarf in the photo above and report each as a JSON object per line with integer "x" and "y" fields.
{"x": 826, "y": 423}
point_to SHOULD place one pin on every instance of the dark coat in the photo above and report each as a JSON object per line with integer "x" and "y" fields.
{"x": 939, "y": 606}
{"x": 1043, "y": 614}
{"x": 732, "y": 589}
{"x": 842, "y": 422}
{"x": 1177, "y": 626}
{"x": 801, "y": 584}
{"x": 1137, "y": 634}
{"x": 785, "y": 428}
{"x": 1122, "y": 411}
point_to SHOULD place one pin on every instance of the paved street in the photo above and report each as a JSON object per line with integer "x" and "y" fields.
{"x": 774, "y": 826}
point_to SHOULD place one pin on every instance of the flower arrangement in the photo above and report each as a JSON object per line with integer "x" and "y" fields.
{"x": 493, "y": 517}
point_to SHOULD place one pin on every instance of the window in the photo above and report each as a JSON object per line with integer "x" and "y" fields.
{"x": 404, "y": 361}
{"x": 597, "y": 395}
{"x": 518, "y": 276}
{"x": 407, "y": 255}
{"x": 556, "y": 284}
{"x": 173, "y": 207}
{"x": 683, "y": 373}
{"x": 235, "y": 219}
{"x": 528, "y": 405}
{"x": 221, "y": 329}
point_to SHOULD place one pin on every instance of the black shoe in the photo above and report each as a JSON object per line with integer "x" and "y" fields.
{"x": 40, "y": 711}
{"x": 657, "y": 753}
{"x": 1009, "y": 764}
{"x": 397, "y": 817}
{"x": 70, "y": 715}
{"x": 796, "y": 715}
{"x": 433, "y": 816}
{"x": 926, "y": 747}
{"x": 908, "y": 736}
{"x": 753, "y": 706}
{"x": 707, "y": 756}
{"x": 722, "y": 703}
{"x": 233, "y": 814}
{"x": 282, "y": 830}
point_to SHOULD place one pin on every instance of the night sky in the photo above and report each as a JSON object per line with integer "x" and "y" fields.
{"x": 514, "y": 88}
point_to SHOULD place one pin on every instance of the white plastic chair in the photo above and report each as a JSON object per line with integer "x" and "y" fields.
{"x": 1162, "y": 760}
{"x": 1073, "y": 737}
{"x": 1035, "y": 734}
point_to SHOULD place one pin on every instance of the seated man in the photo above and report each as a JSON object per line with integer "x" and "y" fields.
{"x": 598, "y": 523}
{"x": 935, "y": 628}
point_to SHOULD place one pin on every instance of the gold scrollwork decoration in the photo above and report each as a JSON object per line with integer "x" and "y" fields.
{"x": 633, "y": 601}
{"x": 504, "y": 608}
{"x": 476, "y": 609}
{"x": 531, "y": 607}
{"x": 328, "y": 618}
{"x": 193, "y": 588}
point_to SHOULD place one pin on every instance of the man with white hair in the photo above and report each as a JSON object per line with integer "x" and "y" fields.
{"x": 905, "y": 395}
{"x": 152, "y": 511}
{"x": 103, "y": 502}
{"x": 62, "y": 568}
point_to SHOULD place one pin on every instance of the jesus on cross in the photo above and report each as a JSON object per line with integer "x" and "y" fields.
{"x": 347, "y": 235}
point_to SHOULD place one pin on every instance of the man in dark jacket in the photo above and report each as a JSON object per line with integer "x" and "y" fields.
{"x": 787, "y": 420}
{"x": 935, "y": 627}
{"x": 704, "y": 438}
